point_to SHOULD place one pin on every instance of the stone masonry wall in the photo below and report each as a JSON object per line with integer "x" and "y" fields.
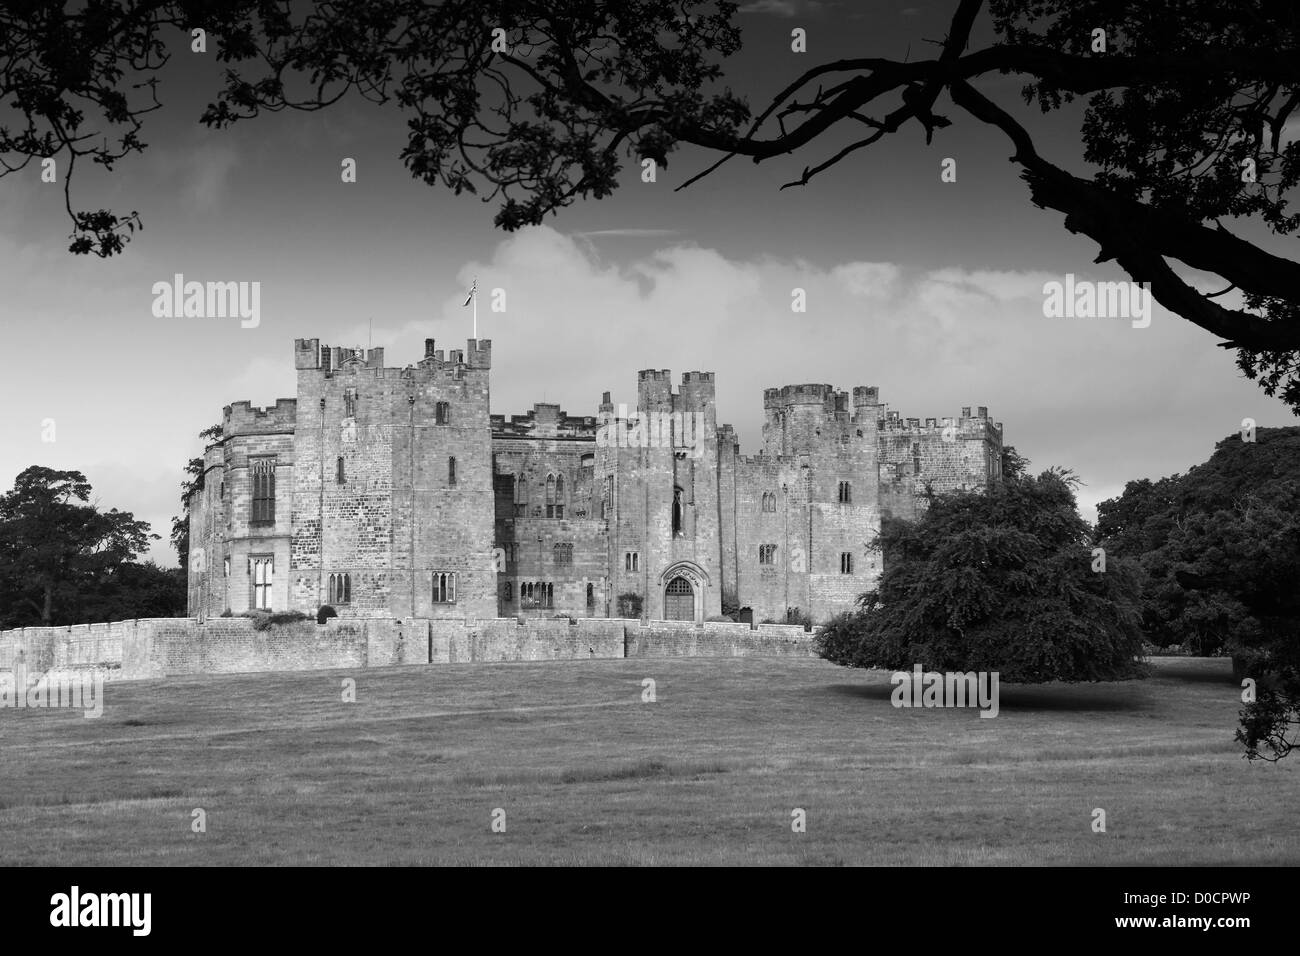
{"x": 164, "y": 647}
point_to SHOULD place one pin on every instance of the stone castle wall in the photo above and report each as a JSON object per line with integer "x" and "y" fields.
{"x": 164, "y": 647}
{"x": 399, "y": 477}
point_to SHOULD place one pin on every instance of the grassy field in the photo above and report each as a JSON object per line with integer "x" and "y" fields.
{"x": 587, "y": 773}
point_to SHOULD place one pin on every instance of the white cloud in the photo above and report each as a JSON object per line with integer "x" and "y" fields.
{"x": 1112, "y": 402}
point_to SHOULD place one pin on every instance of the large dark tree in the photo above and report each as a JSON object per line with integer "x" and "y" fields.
{"x": 1001, "y": 581}
{"x": 1219, "y": 556}
{"x": 56, "y": 548}
{"x": 1183, "y": 127}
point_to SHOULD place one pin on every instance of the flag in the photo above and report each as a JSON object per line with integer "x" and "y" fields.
{"x": 469, "y": 298}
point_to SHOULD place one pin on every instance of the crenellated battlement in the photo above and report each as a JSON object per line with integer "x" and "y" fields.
{"x": 808, "y": 394}
{"x": 966, "y": 426}
{"x": 544, "y": 421}
{"x": 242, "y": 418}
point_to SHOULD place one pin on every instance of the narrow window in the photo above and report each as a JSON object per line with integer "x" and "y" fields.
{"x": 550, "y": 595}
{"x": 507, "y": 592}
{"x": 677, "y": 510}
{"x": 263, "y": 490}
{"x": 338, "y": 474}
{"x": 341, "y": 588}
{"x": 442, "y": 413}
{"x": 846, "y": 562}
{"x": 559, "y": 496}
{"x": 349, "y": 403}
{"x": 444, "y": 587}
{"x": 263, "y": 577}
{"x": 451, "y": 471}
{"x": 846, "y": 493}
{"x": 591, "y": 595}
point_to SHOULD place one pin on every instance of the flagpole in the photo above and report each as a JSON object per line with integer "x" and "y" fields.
{"x": 475, "y": 294}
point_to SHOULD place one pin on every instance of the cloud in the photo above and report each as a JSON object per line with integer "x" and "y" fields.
{"x": 627, "y": 233}
{"x": 783, "y": 8}
{"x": 1112, "y": 402}
{"x": 208, "y": 175}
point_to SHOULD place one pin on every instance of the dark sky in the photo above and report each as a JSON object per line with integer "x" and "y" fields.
{"x": 930, "y": 290}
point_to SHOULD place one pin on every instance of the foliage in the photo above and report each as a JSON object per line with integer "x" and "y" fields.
{"x": 1219, "y": 554}
{"x": 193, "y": 483}
{"x": 58, "y": 552}
{"x": 1001, "y": 581}
{"x": 1183, "y": 100}
{"x": 1218, "y": 548}
{"x": 265, "y": 620}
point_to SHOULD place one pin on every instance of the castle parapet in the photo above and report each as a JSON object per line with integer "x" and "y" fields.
{"x": 242, "y": 418}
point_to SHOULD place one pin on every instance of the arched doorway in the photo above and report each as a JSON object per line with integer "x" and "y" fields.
{"x": 679, "y": 600}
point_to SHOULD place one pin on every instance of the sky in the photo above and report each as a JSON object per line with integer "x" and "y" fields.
{"x": 931, "y": 291}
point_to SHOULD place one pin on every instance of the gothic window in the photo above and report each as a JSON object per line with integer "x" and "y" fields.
{"x": 507, "y": 591}
{"x": 677, "y": 510}
{"x": 341, "y": 588}
{"x": 769, "y": 501}
{"x": 550, "y": 595}
{"x": 766, "y": 553}
{"x": 559, "y": 496}
{"x": 442, "y": 413}
{"x": 451, "y": 471}
{"x": 550, "y": 496}
{"x": 338, "y": 474}
{"x": 846, "y": 562}
{"x": 632, "y": 561}
{"x": 563, "y": 554}
{"x": 846, "y": 493}
{"x": 444, "y": 587}
{"x": 263, "y": 573}
{"x": 263, "y": 470}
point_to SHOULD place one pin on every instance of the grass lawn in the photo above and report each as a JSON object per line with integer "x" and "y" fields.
{"x": 588, "y": 774}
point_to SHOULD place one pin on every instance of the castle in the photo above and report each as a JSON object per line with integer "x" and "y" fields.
{"x": 395, "y": 493}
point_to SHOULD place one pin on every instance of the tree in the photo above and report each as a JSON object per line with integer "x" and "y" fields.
{"x": 536, "y": 103}
{"x": 54, "y": 546}
{"x": 193, "y": 483}
{"x": 1216, "y": 547}
{"x": 1000, "y": 580}
{"x": 1219, "y": 556}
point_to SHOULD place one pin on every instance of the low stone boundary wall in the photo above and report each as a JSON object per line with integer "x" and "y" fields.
{"x": 162, "y": 647}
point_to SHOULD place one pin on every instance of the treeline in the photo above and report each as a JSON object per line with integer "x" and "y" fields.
{"x": 1015, "y": 581}
{"x": 64, "y": 560}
